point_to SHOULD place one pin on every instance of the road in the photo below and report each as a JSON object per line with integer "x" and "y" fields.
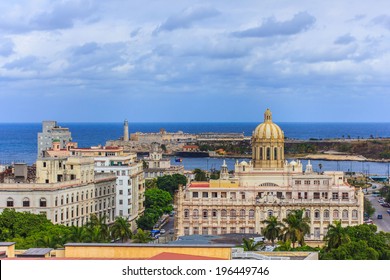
{"x": 166, "y": 237}
{"x": 383, "y": 224}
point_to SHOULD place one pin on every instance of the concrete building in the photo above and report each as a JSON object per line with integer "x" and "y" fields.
{"x": 268, "y": 185}
{"x": 130, "y": 184}
{"x": 51, "y": 131}
{"x": 158, "y": 166}
{"x": 66, "y": 191}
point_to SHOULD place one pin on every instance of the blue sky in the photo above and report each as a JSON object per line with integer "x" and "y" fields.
{"x": 148, "y": 61}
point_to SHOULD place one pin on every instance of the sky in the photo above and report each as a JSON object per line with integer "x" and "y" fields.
{"x": 194, "y": 61}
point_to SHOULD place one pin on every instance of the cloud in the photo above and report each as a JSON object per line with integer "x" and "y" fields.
{"x": 383, "y": 20}
{"x": 63, "y": 15}
{"x": 24, "y": 64}
{"x": 86, "y": 49}
{"x": 345, "y": 39}
{"x": 187, "y": 18}
{"x": 357, "y": 18}
{"x": 6, "y": 47}
{"x": 271, "y": 27}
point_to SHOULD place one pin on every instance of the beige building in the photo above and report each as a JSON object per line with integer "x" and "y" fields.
{"x": 67, "y": 191}
{"x": 158, "y": 166}
{"x": 268, "y": 185}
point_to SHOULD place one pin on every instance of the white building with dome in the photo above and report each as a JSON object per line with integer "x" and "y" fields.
{"x": 268, "y": 185}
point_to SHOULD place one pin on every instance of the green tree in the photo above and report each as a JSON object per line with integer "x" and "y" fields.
{"x": 368, "y": 208}
{"x": 355, "y": 250}
{"x": 77, "y": 234}
{"x": 296, "y": 226}
{"x": 336, "y": 236}
{"x": 98, "y": 225}
{"x": 167, "y": 183}
{"x": 142, "y": 237}
{"x": 251, "y": 245}
{"x": 180, "y": 179}
{"x": 200, "y": 175}
{"x": 272, "y": 229}
{"x": 158, "y": 199}
{"x": 151, "y": 183}
{"x": 121, "y": 229}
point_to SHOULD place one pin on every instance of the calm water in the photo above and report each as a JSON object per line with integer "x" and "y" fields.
{"x": 18, "y": 142}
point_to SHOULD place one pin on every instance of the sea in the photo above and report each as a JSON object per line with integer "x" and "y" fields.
{"x": 18, "y": 141}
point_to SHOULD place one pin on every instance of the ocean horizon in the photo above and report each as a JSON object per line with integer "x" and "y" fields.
{"x": 18, "y": 141}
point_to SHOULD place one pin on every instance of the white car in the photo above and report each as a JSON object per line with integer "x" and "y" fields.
{"x": 162, "y": 231}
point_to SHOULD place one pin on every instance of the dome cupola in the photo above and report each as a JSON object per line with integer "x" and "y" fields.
{"x": 268, "y": 144}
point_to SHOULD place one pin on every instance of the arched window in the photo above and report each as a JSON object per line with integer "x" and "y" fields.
{"x": 205, "y": 214}
{"x": 186, "y": 213}
{"x": 345, "y": 214}
{"x": 317, "y": 214}
{"x": 251, "y": 214}
{"x": 77, "y": 197}
{"x": 233, "y": 214}
{"x": 72, "y": 198}
{"x": 270, "y": 213}
{"x": 42, "y": 202}
{"x": 335, "y": 214}
{"x": 214, "y": 213}
{"x": 62, "y": 200}
{"x": 195, "y": 214}
{"x": 10, "y": 202}
{"x": 26, "y": 202}
{"x": 275, "y": 153}
{"x": 326, "y": 214}
{"x": 56, "y": 201}
{"x": 223, "y": 213}
{"x": 67, "y": 198}
{"x": 354, "y": 214}
{"x": 268, "y": 153}
{"x": 242, "y": 213}
{"x": 307, "y": 214}
{"x": 261, "y": 153}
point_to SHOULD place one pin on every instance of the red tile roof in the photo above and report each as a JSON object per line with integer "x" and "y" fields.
{"x": 200, "y": 185}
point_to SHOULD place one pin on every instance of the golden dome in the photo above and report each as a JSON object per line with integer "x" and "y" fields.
{"x": 268, "y": 129}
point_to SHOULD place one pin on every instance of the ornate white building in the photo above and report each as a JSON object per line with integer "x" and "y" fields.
{"x": 268, "y": 185}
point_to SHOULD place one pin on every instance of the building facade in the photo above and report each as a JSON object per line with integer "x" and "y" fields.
{"x": 66, "y": 191}
{"x": 130, "y": 184}
{"x": 268, "y": 185}
{"x": 51, "y": 131}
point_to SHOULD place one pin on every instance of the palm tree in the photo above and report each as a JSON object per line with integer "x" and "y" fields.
{"x": 296, "y": 226}
{"x": 336, "y": 235}
{"x": 273, "y": 229}
{"x": 77, "y": 234}
{"x": 48, "y": 241}
{"x": 142, "y": 237}
{"x": 94, "y": 235}
{"x": 121, "y": 229}
{"x": 100, "y": 224}
{"x": 251, "y": 245}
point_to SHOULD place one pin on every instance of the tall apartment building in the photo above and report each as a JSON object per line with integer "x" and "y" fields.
{"x": 130, "y": 183}
{"x": 51, "y": 131}
{"x": 67, "y": 191}
{"x": 268, "y": 185}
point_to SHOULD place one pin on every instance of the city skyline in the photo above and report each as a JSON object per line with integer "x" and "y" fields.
{"x": 87, "y": 61}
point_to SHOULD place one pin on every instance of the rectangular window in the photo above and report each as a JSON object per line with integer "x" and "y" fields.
{"x": 120, "y": 182}
{"x": 345, "y": 195}
{"x": 297, "y": 182}
{"x": 44, "y": 164}
{"x": 120, "y": 202}
{"x": 335, "y": 195}
{"x": 120, "y": 212}
{"x": 214, "y": 194}
{"x": 223, "y": 230}
{"x": 205, "y": 231}
{"x": 120, "y": 192}
{"x": 316, "y": 182}
{"x": 305, "y": 194}
{"x": 324, "y": 195}
{"x": 223, "y": 195}
{"x": 316, "y": 195}
{"x": 307, "y": 182}
{"x": 205, "y": 194}
{"x": 232, "y": 230}
{"x": 195, "y": 195}
{"x": 232, "y": 195}
{"x": 196, "y": 230}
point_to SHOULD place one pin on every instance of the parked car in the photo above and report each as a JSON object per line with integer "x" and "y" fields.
{"x": 162, "y": 231}
{"x": 379, "y": 216}
{"x": 368, "y": 221}
{"x": 388, "y": 211}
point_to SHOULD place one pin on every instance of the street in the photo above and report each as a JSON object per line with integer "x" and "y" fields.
{"x": 382, "y": 224}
